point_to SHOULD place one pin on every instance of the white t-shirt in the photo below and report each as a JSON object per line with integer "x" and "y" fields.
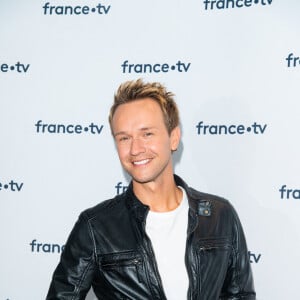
{"x": 167, "y": 232}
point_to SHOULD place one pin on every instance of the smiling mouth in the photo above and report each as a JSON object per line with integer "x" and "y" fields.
{"x": 141, "y": 162}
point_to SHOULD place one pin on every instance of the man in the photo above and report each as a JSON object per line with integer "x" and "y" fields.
{"x": 160, "y": 239}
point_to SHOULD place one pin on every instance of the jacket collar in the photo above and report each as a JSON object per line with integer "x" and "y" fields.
{"x": 197, "y": 203}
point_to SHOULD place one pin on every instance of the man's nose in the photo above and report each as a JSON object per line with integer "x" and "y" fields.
{"x": 137, "y": 146}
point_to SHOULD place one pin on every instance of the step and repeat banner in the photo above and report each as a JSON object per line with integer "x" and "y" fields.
{"x": 234, "y": 66}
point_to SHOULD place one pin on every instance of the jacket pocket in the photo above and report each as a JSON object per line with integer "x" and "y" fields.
{"x": 214, "y": 243}
{"x": 214, "y": 257}
{"x": 123, "y": 264}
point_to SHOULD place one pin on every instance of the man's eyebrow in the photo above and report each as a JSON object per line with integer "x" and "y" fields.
{"x": 147, "y": 128}
{"x": 141, "y": 129}
{"x": 119, "y": 133}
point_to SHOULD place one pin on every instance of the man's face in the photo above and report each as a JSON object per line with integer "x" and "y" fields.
{"x": 143, "y": 142}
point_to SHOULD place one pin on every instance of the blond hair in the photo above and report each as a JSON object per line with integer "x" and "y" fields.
{"x": 138, "y": 90}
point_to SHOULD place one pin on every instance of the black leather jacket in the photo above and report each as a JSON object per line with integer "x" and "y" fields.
{"x": 109, "y": 250}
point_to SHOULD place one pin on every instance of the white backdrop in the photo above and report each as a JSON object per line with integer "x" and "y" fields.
{"x": 232, "y": 63}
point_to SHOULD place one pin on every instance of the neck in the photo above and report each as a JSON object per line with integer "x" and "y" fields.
{"x": 159, "y": 196}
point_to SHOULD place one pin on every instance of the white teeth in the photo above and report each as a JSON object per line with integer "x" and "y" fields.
{"x": 141, "y": 162}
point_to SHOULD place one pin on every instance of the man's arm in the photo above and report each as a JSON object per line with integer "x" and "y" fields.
{"x": 239, "y": 280}
{"x": 74, "y": 273}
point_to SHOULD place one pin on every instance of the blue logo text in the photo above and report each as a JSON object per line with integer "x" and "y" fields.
{"x": 203, "y": 129}
{"x": 179, "y": 66}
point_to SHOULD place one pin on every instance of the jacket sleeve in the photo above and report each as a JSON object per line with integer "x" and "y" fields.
{"x": 74, "y": 274}
{"x": 238, "y": 284}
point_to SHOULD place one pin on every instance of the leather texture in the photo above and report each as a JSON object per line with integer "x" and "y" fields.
{"x": 109, "y": 250}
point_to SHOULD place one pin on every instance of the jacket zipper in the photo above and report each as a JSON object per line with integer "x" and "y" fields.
{"x": 187, "y": 267}
{"x": 188, "y": 253}
{"x": 154, "y": 264}
{"x": 136, "y": 262}
{"x": 124, "y": 262}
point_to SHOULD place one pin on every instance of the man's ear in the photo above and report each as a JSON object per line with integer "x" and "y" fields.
{"x": 175, "y": 138}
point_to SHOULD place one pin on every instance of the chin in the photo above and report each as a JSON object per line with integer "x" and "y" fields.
{"x": 142, "y": 179}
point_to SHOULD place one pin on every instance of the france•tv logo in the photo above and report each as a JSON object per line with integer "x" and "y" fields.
{"x": 45, "y": 247}
{"x": 292, "y": 61}
{"x": 12, "y": 186}
{"x": 286, "y": 193}
{"x": 225, "y": 4}
{"x": 121, "y": 187}
{"x": 17, "y": 67}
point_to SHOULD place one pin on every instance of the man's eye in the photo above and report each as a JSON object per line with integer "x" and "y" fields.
{"x": 148, "y": 134}
{"x": 123, "y": 139}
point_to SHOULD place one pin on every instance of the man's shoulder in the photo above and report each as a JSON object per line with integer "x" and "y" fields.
{"x": 105, "y": 208}
{"x": 199, "y": 197}
{"x": 212, "y": 200}
{"x": 203, "y": 196}
{"x": 212, "y": 209}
